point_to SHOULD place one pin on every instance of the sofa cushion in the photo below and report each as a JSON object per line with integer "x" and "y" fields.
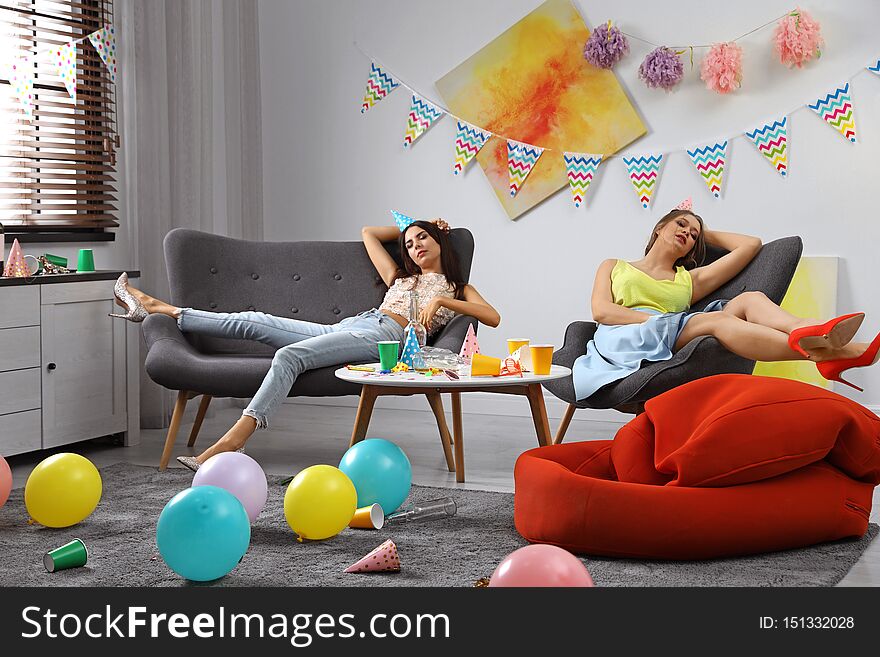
{"x": 732, "y": 428}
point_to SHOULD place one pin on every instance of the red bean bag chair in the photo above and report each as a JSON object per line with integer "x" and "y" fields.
{"x": 725, "y": 465}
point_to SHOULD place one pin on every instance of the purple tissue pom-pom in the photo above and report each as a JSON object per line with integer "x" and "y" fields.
{"x": 605, "y": 46}
{"x": 662, "y": 68}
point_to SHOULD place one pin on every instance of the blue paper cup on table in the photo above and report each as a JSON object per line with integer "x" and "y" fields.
{"x": 85, "y": 261}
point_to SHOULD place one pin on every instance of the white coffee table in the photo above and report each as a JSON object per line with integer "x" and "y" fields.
{"x": 375, "y": 385}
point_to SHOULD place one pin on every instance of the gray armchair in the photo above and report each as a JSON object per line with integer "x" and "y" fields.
{"x": 316, "y": 281}
{"x": 770, "y": 272}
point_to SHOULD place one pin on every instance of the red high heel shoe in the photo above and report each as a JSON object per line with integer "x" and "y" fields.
{"x": 834, "y": 333}
{"x": 832, "y": 369}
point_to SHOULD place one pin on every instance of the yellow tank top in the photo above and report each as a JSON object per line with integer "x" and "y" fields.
{"x": 633, "y": 288}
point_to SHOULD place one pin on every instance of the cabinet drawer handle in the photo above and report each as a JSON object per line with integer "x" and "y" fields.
{"x": 51, "y": 366}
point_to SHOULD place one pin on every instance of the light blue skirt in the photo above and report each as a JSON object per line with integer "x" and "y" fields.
{"x": 617, "y": 351}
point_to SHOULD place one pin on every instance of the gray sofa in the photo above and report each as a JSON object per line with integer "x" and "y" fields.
{"x": 770, "y": 272}
{"x": 316, "y": 281}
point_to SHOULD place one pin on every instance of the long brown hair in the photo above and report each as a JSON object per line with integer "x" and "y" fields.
{"x": 448, "y": 257}
{"x": 697, "y": 254}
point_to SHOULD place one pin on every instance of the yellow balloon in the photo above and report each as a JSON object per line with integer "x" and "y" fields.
{"x": 62, "y": 490}
{"x": 320, "y": 502}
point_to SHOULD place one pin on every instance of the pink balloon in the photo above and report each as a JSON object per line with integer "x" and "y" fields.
{"x": 240, "y": 475}
{"x": 541, "y": 565}
{"x": 5, "y": 481}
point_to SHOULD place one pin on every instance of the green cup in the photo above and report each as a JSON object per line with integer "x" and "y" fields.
{"x": 70, "y": 555}
{"x": 388, "y": 350}
{"x": 86, "y": 260}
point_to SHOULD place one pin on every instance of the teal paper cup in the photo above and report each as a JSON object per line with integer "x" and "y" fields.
{"x": 85, "y": 261}
{"x": 388, "y": 350}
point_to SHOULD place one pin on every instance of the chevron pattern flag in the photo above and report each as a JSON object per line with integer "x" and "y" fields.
{"x": 580, "y": 168}
{"x": 379, "y": 85}
{"x": 875, "y": 67}
{"x": 468, "y": 142}
{"x": 837, "y": 110}
{"x": 422, "y": 116}
{"x": 771, "y": 141}
{"x": 644, "y": 172}
{"x": 710, "y": 160}
{"x": 521, "y": 158}
{"x": 401, "y": 220}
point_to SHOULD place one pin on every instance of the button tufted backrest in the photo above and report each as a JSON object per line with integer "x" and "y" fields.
{"x": 315, "y": 281}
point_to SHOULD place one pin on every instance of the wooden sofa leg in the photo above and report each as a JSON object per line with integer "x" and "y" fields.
{"x": 200, "y": 416}
{"x": 563, "y": 425}
{"x": 179, "y": 408}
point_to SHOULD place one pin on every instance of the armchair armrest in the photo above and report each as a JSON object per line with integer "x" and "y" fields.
{"x": 168, "y": 351}
{"x": 452, "y": 335}
{"x": 577, "y": 335}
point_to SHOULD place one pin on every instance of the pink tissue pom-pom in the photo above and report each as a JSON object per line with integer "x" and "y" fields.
{"x": 721, "y": 68}
{"x": 798, "y": 38}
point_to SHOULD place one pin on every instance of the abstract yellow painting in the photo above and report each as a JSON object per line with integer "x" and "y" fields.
{"x": 533, "y": 85}
{"x": 812, "y": 293}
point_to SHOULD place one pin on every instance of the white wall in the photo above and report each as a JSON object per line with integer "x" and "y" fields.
{"x": 328, "y": 170}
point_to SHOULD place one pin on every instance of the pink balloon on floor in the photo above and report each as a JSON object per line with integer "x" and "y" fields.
{"x": 5, "y": 481}
{"x": 541, "y": 565}
{"x": 240, "y": 475}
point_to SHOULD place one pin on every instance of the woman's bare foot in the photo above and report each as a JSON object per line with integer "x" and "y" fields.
{"x": 232, "y": 440}
{"x": 151, "y": 304}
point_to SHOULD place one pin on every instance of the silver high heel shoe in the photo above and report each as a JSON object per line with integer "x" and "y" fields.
{"x": 136, "y": 311}
{"x": 191, "y": 463}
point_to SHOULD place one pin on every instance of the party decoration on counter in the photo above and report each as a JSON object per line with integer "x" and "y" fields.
{"x": 521, "y": 158}
{"x": 20, "y": 73}
{"x": 837, "y": 110}
{"x": 605, "y": 46}
{"x": 580, "y": 168}
{"x": 379, "y": 85}
{"x": 662, "y": 69}
{"x": 709, "y": 161}
{"x": 772, "y": 142}
{"x": 402, "y": 220}
{"x": 104, "y": 41}
{"x": 65, "y": 60}
{"x": 721, "y": 68}
{"x": 383, "y": 559}
{"x": 644, "y": 172}
{"x": 798, "y": 38}
{"x": 470, "y": 346}
{"x": 16, "y": 267}
{"x": 468, "y": 142}
{"x": 422, "y": 115}
{"x": 412, "y": 352}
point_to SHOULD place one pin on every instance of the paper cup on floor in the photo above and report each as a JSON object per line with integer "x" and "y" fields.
{"x": 542, "y": 358}
{"x": 485, "y": 365}
{"x": 515, "y": 343}
{"x": 69, "y": 555}
{"x": 368, "y": 517}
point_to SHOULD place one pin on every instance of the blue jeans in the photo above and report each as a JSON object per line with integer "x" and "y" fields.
{"x": 300, "y": 346}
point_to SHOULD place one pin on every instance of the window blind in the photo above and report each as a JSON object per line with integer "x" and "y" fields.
{"x": 57, "y": 171}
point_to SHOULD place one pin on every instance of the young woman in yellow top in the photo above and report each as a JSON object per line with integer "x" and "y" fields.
{"x": 642, "y": 310}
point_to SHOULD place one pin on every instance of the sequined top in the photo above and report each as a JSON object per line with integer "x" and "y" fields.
{"x": 427, "y": 286}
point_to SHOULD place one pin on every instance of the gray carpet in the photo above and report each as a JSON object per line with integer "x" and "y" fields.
{"x": 120, "y": 535}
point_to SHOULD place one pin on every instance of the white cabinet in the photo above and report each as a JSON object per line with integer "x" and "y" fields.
{"x": 68, "y": 372}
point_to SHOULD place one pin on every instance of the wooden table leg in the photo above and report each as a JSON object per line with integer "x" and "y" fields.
{"x": 436, "y": 405}
{"x": 365, "y": 410}
{"x": 459, "y": 438}
{"x": 563, "y": 425}
{"x": 539, "y": 414}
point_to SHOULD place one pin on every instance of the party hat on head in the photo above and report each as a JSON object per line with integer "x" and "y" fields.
{"x": 402, "y": 220}
{"x": 383, "y": 558}
{"x": 15, "y": 264}
{"x": 470, "y": 346}
{"x": 687, "y": 204}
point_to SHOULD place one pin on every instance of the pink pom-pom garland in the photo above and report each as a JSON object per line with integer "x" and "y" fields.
{"x": 721, "y": 68}
{"x": 662, "y": 68}
{"x": 798, "y": 38}
{"x": 605, "y": 47}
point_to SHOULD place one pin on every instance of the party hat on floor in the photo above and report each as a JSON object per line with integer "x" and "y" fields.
{"x": 383, "y": 559}
{"x": 15, "y": 264}
{"x": 470, "y": 346}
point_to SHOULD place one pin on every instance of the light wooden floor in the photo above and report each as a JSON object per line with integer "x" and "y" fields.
{"x": 303, "y": 435}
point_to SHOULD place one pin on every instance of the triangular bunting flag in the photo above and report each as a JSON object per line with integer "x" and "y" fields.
{"x": 402, "y": 220}
{"x": 644, "y": 171}
{"x": 710, "y": 160}
{"x": 875, "y": 67}
{"x": 580, "y": 168}
{"x": 521, "y": 158}
{"x": 837, "y": 110}
{"x": 379, "y": 85}
{"x": 65, "y": 60}
{"x": 16, "y": 266}
{"x": 422, "y": 116}
{"x": 412, "y": 352}
{"x": 20, "y": 73}
{"x": 383, "y": 559}
{"x": 470, "y": 346}
{"x": 468, "y": 142}
{"x": 772, "y": 142}
{"x": 104, "y": 41}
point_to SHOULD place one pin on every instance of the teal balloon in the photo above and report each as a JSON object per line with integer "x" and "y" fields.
{"x": 203, "y": 533}
{"x": 380, "y": 471}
